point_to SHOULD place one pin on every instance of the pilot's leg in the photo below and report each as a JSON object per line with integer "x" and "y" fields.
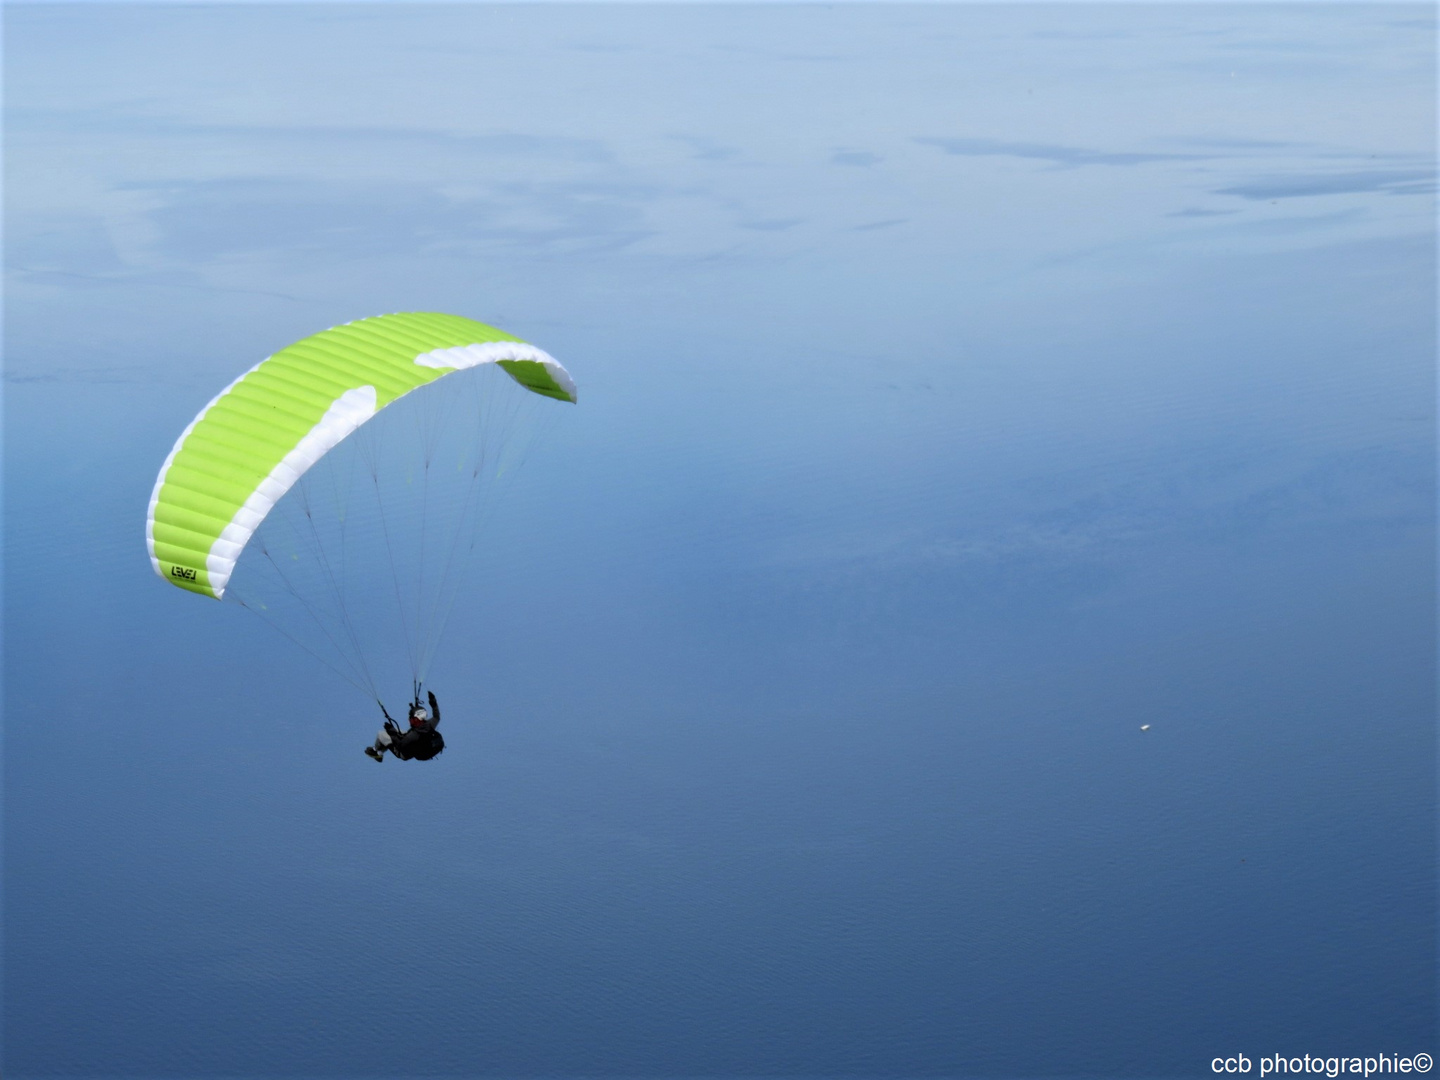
{"x": 382, "y": 743}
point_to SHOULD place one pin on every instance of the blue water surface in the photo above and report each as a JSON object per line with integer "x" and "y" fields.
{"x": 962, "y": 388}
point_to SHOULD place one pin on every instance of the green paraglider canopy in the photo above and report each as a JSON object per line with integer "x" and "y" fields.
{"x": 266, "y": 429}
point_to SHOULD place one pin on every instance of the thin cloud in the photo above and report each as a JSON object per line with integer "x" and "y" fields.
{"x": 772, "y": 224}
{"x": 857, "y": 158}
{"x": 1386, "y": 181}
{"x": 1196, "y": 212}
{"x": 201, "y": 221}
{"x": 1237, "y": 144}
{"x": 112, "y": 122}
{"x": 1058, "y": 155}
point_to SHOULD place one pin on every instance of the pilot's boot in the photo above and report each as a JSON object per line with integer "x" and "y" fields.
{"x": 378, "y": 755}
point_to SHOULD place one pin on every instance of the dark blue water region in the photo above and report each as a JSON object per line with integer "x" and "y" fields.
{"x": 731, "y": 819}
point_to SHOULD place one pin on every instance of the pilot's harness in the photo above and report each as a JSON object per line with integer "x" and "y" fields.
{"x": 434, "y": 745}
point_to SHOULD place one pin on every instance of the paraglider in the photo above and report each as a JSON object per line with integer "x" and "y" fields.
{"x": 337, "y": 490}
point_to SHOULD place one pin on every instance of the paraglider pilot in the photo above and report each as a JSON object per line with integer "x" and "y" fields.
{"x": 420, "y": 743}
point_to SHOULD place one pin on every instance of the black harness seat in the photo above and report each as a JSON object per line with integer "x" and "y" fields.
{"x": 418, "y": 745}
